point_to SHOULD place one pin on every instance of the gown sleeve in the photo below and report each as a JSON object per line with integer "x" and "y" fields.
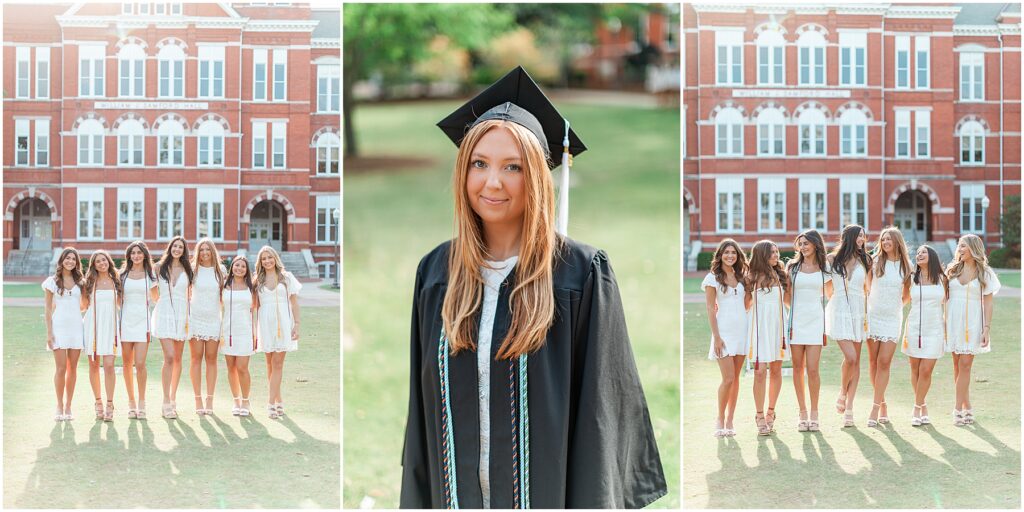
{"x": 993, "y": 285}
{"x": 613, "y": 456}
{"x": 709, "y": 280}
{"x": 293, "y": 285}
{"x": 415, "y": 491}
{"x": 50, "y": 285}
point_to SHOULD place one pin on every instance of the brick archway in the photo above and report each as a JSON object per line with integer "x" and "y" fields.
{"x": 913, "y": 185}
{"x": 31, "y": 193}
{"x": 289, "y": 208}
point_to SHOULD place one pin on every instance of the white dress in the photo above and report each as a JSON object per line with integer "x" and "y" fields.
{"x": 964, "y": 320}
{"x": 844, "y": 314}
{"x": 237, "y": 333}
{"x": 925, "y": 333}
{"x": 806, "y": 318}
{"x": 67, "y": 316}
{"x": 767, "y": 321}
{"x": 171, "y": 313}
{"x": 275, "y": 317}
{"x": 101, "y": 324}
{"x": 731, "y": 317}
{"x": 885, "y": 304}
{"x": 204, "y": 316}
{"x": 134, "y": 321}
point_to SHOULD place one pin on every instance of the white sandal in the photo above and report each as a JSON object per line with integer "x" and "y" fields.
{"x": 236, "y": 410}
{"x": 958, "y": 418}
{"x": 915, "y": 420}
{"x": 244, "y": 410}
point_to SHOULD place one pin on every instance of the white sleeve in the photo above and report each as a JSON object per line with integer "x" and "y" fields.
{"x": 293, "y": 285}
{"x": 709, "y": 281}
{"x": 993, "y": 285}
{"x": 50, "y": 284}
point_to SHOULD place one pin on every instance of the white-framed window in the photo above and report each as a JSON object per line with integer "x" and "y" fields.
{"x": 21, "y": 137}
{"x": 131, "y": 65}
{"x": 729, "y": 57}
{"x": 42, "y": 72}
{"x": 771, "y": 60}
{"x": 972, "y": 213}
{"x": 327, "y": 155}
{"x": 812, "y": 124}
{"x": 210, "y": 136}
{"x": 729, "y": 133}
{"x": 922, "y": 134}
{"x": 42, "y": 142}
{"x": 175, "y": 7}
{"x": 127, "y": 7}
{"x": 170, "y": 208}
{"x": 129, "y": 213}
{"x": 159, "y": 8}
{"x": 280, "y": 74}
{"x": 211, "y": 71}
{"x": 972, "y": 143}
{"x": 972, "y": 76}
{"x": 729, "y": 204}
{"x": 171, "y": 69}
{"x": 259, "y": 145}
{"x": 902, "y": 62}
{"x": 813, "y": 206}
{"x": 170, "y": 144}
{"x": 90, "y": 213}
{"x": 853, "y": 202}
{"x": 259, "y": 74}
{"x": 268, "y": 144}
{"x": 277, "y": 160}
{"x": 210, "y": 213}
{"x": 130, "y": 143}
{"x": 328, "y": 88}
{"x": 771, "y": 204}
{"x": 853, "y": 58}
{"x": 811, "y": 53}
{"x": 853, "y": 128}
{"x": 902, "y": 134}
{"x": 23, "y": 57}
{"x": 90, "y": 143}
{"x": 922, "y": 62}
{"x": 91, "y": 69}
{"x": 326, "y": 227}
{"x": 143, "y": 7}
{"x": 771, "y": 133}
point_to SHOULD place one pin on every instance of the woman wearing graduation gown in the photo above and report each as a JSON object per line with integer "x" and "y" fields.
{"x": 523, "y": 388}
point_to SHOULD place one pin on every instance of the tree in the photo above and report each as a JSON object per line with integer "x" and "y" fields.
{"x": 1009, "y": 223}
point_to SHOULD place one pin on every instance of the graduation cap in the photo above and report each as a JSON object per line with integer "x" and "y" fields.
{"x": 517, "y": 98}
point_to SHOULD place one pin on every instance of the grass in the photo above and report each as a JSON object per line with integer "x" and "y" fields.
{"x": 329, "y": 287}
{"x": 938, "y": 466}
{"x": 23, "y": 290}
{"x": 216, "y": 462}
{"x": 625, "y": 201}
{"x": 1010, "y": 278}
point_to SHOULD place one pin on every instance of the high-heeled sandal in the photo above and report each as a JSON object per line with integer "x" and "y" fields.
{"x": 801, "y": 424}
{"x": 770, "y": 419}
{"x": 131, "y": 410}
{"x": 968, "y": 416}
{"x": 925, "y": 420}
{"x": 841, "y": 404}
{"x": 873, "y": 422}
{"x": 98, "y": 407}
{"x": 762, "y": 425}
{"x": 812, "y": 424}
{"x": 108, "y": 413}
{"x": 244, "y": 409}
{"x": 209, "y": 405}
{"x": 272, "y": 411}
{"x": 199, "y": 408}
{"x": 280, "y": 408}
{"x": 59, "y": 416}
{"x": 140, "y": 413}
{"x": 883, "y": 418}
{"x": 915, "y": 420}
{"x": 68, "y": 416}
{"x": 848, "y": 419}
{"x": 236, "y": 402}
{"x": 169, "y": 412}
{"x": 958, "y": 418}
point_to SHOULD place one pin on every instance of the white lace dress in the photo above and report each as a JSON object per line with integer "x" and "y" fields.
{"x": 767, "y": 322}
{"x": 67, "y": 316}
{"x": 885, "y": 304}
{"x": 237, "y": 338}
{"x": 275, "y": 316}
{"x": 204, "y": 317}
{"x": 731, "y": 317}
{"x": 925, "y": 332}
{"x": 171, "y": 313}
{"x": 134, "y": 321}
{"x": 964, "y": 315}
{"x": 844, "y": 314}
{"x": 101, "y": 324}
{"x": 806, "y": 318}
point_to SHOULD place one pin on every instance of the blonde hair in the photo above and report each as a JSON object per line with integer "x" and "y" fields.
{"x": 901, "y": 253}
{"x": 261, "y": 273}
{"x": 977, "y": 249}
{"x": 216, "y": 258}
{"x": 532, "y": 301}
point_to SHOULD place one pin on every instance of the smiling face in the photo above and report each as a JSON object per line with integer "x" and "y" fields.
{"x": 774, "y": 258}
{"x": 495, "y": 184}
{"x": 205, "y": 255}
{"x": 69, "y": 262}
{"x": 964, "y": 251}
{"x": 102, "y": 264}
{"x": 887, "y": 245}
{"x": 729, "y": 256}
{"x": 805, "y": 247}
{"x": 238, "y": 268}
{"x": 267, "y": 260}
{"x": 922, "y": 257}
{"x": 177, "y": 249}
{"x": 137, "y": 256}
{"x": 862, "y": 239}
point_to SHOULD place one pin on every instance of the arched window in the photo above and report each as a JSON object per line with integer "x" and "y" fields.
{"x": 170, "y": 146}
{"x": 90, "y": 143}
{"x": 972, "y": 143}
{"x": 771, "y": 60}
{"x": 130, "y": 143}
{"x": 327, "y": 145}
{"x": 771, "y": 133}
{"x": 853, "y": 133}
{"x": 729, "y": 133}
{"x": 211, "y": 144}
{"x": 131, "y": 63}
{"x": 812, "y": 132}
{"x": 811, "y": 54}
{"x": 171, "y": 72}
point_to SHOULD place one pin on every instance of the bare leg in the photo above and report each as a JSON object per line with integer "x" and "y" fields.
{"x": 851, "y": 370}
{"x": 179, "y": 351}
{"x": 799, "y": 366}
{"x": 127, "y": 362}
{"x": 108, "y": 376}
{"x": 270, "y": 377}
{"x": 70, "y": 378}
{"x": 775, "y": 386}
{"x": 924, "y": 382}
{"x": 725, "y": 366}
{"x": 963, "y": 381}
{"x": 167, "y": 372}
{"x": 915, "y": 365}
{"x": 872, "y": 359}
{"x": 141, "y": 350}
{"x": 883, "y": 364}
{"x": 244, "y": 378}
{"x": 60, "y": 361}
{"x": 210, "y": 355}
{"x": 760, "y": 375}
{"x": 734, "y": 392}
{"x": 275, "y": 382}
{"x": 812, "y": 357}
{"x": 956, "y": 371}
{"x": 230, "y": 362}
{"x": 195, "y": 350}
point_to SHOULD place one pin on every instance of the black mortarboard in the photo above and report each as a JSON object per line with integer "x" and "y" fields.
{"x": 517, "y": 98}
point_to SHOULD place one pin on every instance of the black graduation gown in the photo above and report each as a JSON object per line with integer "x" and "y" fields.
{"x": 591, "y": 440}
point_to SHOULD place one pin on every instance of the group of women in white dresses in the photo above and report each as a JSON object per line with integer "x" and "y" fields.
{"x": 763, "y": 313}
{"x": 107, "y": 312}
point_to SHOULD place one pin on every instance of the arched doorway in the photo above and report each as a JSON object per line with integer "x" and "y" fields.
{"x": 35, "y": 229}
{"x": 912, "y": 215}
{"x": 267, "y": 226}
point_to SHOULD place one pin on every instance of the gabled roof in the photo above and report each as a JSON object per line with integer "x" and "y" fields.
{"x": 980, "y": 14}
{"x": 330, "y": 23}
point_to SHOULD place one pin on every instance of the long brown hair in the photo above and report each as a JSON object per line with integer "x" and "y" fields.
{"x": 812, "y": 236}
{"x": 879, "y": 257}
{"x": 246, "y": 279}
{"x": 92, "y": 274}
{"x": 76, "y": 273}
{"x": 847, "y": 248}
{"x": 532, "y": 301}
{"x": 934, "y": 270}
{"x": 147, "y": 261}
{"x": 718, "y": 268}
{"x": 760, "y": 273}
{"x": 216, "y": 258}
{"x": 977, "y": 249}
{"x": 164, "y": 265}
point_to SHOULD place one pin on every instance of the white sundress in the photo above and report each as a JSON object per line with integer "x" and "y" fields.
{"x": 844, "y": 314}
{"x": 806, "y": 320}
{"x": 885, "y": 304}
{"x": 204, "y": 314}
{"x": 134, "y": 322}
{"x": 275, "y": 315}
{"x": 237, "y": 338}
{"x": 964, "y": 320}
{"x": 766, "y": 325}
{"x": 171, "y": 314}
{"x": 66, "y": 322}
{"x": 101, "y": 324}
{"x": 926, "y": 329}
{"x": 731, "y": 317}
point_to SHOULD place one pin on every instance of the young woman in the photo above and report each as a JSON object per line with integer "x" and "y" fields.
{"x": 724, "y": 293}
{"x": 278, "y": 320}
{"x": 140, "y": 290}
{"x": 239, "y": 304}
{"x": 889, "y": 282}
{"x": 519, "y": 349}
{"x": 100, "y": 297}
{"x": 926, "y": 327}
{"x": 845, "y": 313}
{"x": 810, "y": 290}
{"x": 204, "y": 322}
{"x": 972, "y": 284}
{"x": 765, "y": 289}
{"x": 63, "y": 316}
{"x": 170, "y": 319}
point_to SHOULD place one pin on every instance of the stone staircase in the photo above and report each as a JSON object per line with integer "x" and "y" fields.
{"x": 294, "y": 262}
{"x": 32, "y": 262}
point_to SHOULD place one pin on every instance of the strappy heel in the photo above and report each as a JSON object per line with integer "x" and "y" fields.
{"x": 762, "y": 425}
{"x": 802, "y": 425}
{"x": 813, "y": 425}
{"x": 199, "y": 408}
{"x": 209, "y": 405}
{"x": 848, "y": 419}
{"x": 272, "y": 411}
{"x": 968, "y": 416}
{"x": 169, "y": 412}
{"x": 140, "y": 413}
{"x": 770, "y": 419}
{"x": 237, "y": 406}
{"x": 958, "y": 418}
{"x": 883, "y": 419}
{"x": 280, "y": 408}
{"x": 915, "y": 420}
{"x": 841, "y": 404}
{"x": 98, "y": 406}
{"x": 59, "y": 416}
{"x": 873, "y": 422}
{"x": 108, "y": 413}
{"x": 244, "y": 409}
{"x": 132, "y": 414}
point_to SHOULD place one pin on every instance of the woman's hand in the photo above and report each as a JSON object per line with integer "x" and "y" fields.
{"x": 719, "y": 346}
{"x": 295, "y": 332}
{"x": 984, "y": 337}
{"x": 49, "y": 340}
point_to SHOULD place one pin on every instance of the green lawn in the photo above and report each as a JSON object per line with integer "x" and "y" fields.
{"x": 625, "y": 200}
{"x": 219, "y": 461}
{"x": 940, "y": 466}
{"x": 1011, "y": 278}
{"x": 23, "y": 290}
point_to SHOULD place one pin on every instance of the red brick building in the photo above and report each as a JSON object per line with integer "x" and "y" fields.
{"x": 151, "y": 119}
{"x": 812, "y": 116}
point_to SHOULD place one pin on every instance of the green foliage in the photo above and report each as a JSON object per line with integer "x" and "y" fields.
{"x": 704, "y": 260}
{"x": 997, "y": 258}
{"x": 1009, "y": 223}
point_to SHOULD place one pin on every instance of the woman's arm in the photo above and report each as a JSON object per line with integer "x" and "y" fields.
{"x": 48, "y": 316}
{"x": 711, "y": 304}
{"x": 294, "y": 299}
{"x": 985, "y": 329}
{"x": 829, "y": 289}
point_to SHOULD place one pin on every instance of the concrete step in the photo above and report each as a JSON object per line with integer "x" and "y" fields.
{"x": 27, "y": 263}
{"x": 293, "y": 261}
{"x": 940, "y": 246}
